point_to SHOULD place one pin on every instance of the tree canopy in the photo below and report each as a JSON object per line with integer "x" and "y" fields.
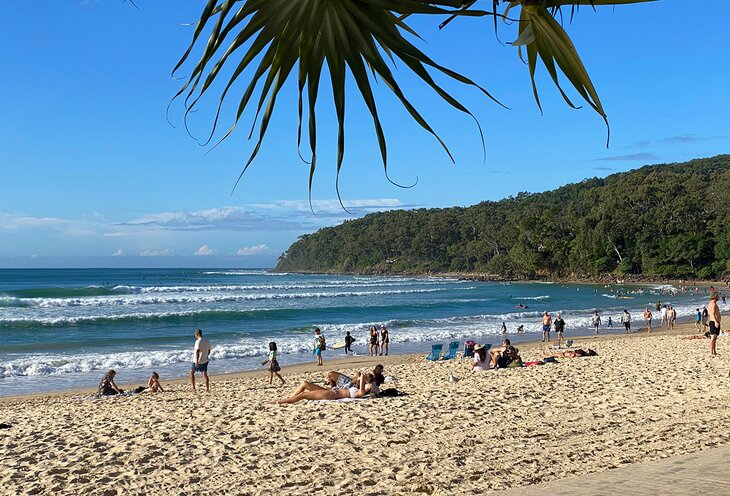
{"x": 668, "y": 220}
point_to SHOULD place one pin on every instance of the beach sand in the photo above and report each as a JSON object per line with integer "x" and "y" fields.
{"x": 642, "y": 398}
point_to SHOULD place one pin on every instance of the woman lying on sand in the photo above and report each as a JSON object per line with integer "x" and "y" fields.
{"x": 574, "y": 353}
{"x": 309, "y": 391}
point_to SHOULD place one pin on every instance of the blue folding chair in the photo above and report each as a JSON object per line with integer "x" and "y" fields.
{"x": 435, "y": 352}
{"x": 453, "y": 350}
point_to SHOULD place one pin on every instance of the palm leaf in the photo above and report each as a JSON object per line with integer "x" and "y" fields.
{"x": 542, "y": 36}
{"x": 273, "y": 37}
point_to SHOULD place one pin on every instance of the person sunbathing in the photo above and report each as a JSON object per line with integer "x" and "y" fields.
{"x": 312, "y": 392}
{"x": 502, "y": 356}
{"x": 574, "y": 353}
{"x": 337, "y": 380}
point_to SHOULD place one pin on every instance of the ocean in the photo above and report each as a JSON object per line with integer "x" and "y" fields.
{"x": 63, "y": 328}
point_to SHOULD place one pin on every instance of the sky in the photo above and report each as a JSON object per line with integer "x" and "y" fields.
{"x": 96, "y": 174}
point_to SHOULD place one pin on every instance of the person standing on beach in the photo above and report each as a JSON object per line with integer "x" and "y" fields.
{"x": 373, "y": 341}
{"x": 384, "y": 340}
{"x": 547, "y": 321}
{"x": 596, "y": 321}
{"x": 672, "y": 316}
{"x": 698, "y": 320}
{"x": 201, "y": 355}
{"x": 559, "y": 328}
{"x": 274, "y": 367}
{"x": 714, "y": 311}
{"x": 610, "y": 322}
{"x": 348, "y": 343}
{"x": 626, "y": 320}
{"x": 665, "y": 321}
{"x": 648, "y": 316}
{"x": 319, "y": 345}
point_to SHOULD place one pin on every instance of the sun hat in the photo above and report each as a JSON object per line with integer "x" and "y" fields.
{"x": 478, "y": 347}
{"x": 714, "y": 295}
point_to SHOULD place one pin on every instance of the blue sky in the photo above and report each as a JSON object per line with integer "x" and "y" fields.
{"x": 93, "y": 174}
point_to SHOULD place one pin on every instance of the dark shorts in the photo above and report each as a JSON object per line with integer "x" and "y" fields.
{"x": 203, "y": 367}
{"x": 714, "y": 330}
{"x": 546, "y": 328}
{"x": 627, "y": 325}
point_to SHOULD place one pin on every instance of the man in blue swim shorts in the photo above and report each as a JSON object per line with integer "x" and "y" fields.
{"x": 201, "y": 355}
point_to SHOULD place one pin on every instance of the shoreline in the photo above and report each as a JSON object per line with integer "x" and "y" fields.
{"x": 683, "y": 326}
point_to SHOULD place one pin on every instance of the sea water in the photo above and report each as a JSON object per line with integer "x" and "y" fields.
{"x": 63, "y": 328}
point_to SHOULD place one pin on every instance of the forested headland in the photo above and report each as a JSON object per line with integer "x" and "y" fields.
{"x": 668, "y": 221}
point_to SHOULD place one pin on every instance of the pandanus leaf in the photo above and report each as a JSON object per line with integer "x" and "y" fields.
{"x": 276, "y": 39}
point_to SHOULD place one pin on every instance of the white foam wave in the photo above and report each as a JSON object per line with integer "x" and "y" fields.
{"x": 167, "y": 299}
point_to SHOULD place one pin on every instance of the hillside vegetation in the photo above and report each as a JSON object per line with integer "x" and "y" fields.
{"x": 669, "y": 220}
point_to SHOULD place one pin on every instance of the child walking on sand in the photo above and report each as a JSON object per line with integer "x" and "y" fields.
{"x": 274, "y": 367}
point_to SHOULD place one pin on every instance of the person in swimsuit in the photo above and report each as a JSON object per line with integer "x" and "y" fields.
{"x": 373, "y": 341}
{"x": 547, "y": 322}
{"x": 384, "y": 340}
{"x": 714, "y": 312}
{"x": 504, "y": 355}
{"x": 107, "y": 387}
{"x": 153, "y": 385}
{"x": 648, "y": 316}
{"x": 309, "y": 391}
{"x": 338, "y": 380}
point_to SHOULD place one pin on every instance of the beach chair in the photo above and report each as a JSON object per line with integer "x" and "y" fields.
{"x": 453, "y": 350}
{"x": 435, "y": 352}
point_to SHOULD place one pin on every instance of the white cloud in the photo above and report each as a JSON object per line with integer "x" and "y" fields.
{"x": 157, "y": 253}
{"x": 12, "y": 222}
{"x": 215, "y": 219}
{"x": 118, "y": 253}
{"x": 251, "y": 250}
{"x": 204, "y": 251}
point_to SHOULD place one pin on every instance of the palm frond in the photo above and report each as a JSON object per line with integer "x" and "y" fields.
{"x": 543, "y": 36}
{"x": 349, "y": 36}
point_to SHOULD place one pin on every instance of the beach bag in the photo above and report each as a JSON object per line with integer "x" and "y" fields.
{"x": 322, "y": 343}
{"x": 515, "y": 363}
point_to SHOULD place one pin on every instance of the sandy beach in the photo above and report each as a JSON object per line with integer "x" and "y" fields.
{"x": 642, "y": 398}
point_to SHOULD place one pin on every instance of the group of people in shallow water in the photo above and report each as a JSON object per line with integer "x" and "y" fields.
{"x": 339, "y": 386}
